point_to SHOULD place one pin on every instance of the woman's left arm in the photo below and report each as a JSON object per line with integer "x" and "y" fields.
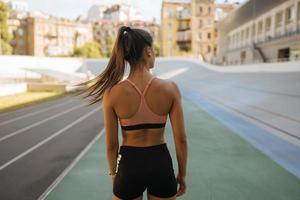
{"x": 111, "y": 132}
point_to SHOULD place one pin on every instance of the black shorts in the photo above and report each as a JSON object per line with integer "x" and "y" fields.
{"x": 141, "y": 168}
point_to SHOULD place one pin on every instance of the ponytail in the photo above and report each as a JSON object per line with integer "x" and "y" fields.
{"x": 128, "y": 46}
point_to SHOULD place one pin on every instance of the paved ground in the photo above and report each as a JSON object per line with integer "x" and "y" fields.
{"x": 221, "y": 166}
{"x": 243, "y": 131}
{"x": 38, "y": 142}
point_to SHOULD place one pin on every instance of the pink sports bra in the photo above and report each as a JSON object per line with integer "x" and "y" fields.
{"x": 144, "y": 117}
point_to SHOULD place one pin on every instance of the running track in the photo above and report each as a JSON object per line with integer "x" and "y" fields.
{"x": 38, "y": 142}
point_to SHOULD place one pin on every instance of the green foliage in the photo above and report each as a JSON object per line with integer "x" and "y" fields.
{"x": 184, "y": 47}
{"x": 89, "y": 50}
{"x": 5, "y": 37}
{"x": 109, "y": 45}
{"x": 157, "y": 49}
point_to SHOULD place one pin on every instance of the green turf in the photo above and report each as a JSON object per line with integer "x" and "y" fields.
{"x": 221, "y": 166}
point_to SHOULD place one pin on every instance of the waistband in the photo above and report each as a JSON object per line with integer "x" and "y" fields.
{"x": 153, "y": 147}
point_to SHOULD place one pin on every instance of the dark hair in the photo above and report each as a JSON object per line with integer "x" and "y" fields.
{"x": 128, "y": 46}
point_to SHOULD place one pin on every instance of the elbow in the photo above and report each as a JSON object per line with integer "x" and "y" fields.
{"x": 182, "y": 141}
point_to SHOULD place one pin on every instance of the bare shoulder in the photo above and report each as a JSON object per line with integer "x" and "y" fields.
{"x": 169, "y": 85}
{"x": 114, "y": 92}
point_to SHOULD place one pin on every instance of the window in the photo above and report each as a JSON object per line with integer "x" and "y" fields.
{"x": 289, "y": 14}
{"x": 209, "y": 10}
{"x": 247, "y": 33}
{"x": 209, "y": 23}
{"x": 242, "y": 35}
{"x": 208, "y": 35}
{"x": 170, "y": 36}
{"x": 260, "y": 27}
{"x": 208, "y": 49}
{"x": 233, "y": 40}
{"x": 253, "y": 30}
{"x": 200, "y": 23}
{"x": 278, "y": 19}
{"x": 268, "y": 24}
{"x": 200, "y": 36}
{"x": 298, "y": 13}
{"x": 170, "y": 13}
{"x": 20, "y": 32}
{"x": 200, "y": 9}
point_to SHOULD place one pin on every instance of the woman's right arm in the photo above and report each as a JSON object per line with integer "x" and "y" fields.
{"x": 177, "y": 123}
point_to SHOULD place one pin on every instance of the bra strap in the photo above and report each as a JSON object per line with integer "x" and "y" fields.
{"x": 139, "y": 91}
{"x": 134, "y": 86}
{"x": 148, "y": 84}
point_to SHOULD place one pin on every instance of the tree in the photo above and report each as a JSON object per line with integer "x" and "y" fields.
{"x": 157, "y": 49}
{"x": 109, "y": 45}
{"x": 89, "y": 50}
{"x": 5, "y": 37}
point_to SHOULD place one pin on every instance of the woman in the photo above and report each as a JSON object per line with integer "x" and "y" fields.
{"x": 141, "y": 103}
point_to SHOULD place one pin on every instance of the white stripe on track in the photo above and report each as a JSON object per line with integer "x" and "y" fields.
{"x": 38, "y": 123}
{"x": 29, "y": 107}
{"x": 33, "y": 113}
{"x": 69, "y": 168}
{"x": 173, "y": 73}
{"x": 48, "y": 139}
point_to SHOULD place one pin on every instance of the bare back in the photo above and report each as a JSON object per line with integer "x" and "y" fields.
{"x": 159, "y": 97}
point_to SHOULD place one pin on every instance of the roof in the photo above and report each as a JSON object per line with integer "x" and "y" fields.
{"x": 248, "y": 11}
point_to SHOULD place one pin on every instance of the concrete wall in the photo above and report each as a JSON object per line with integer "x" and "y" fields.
{"x": 9, "y": 89}
{"x": 66, "y": 65}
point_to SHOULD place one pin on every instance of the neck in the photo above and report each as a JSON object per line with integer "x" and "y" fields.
{"x": 140, "y": 73}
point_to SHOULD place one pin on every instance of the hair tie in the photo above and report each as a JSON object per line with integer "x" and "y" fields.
{"x": 126, "y": 30}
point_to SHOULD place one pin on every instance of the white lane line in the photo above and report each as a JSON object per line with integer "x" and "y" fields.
{"x": 48, "y": 139}
{"x": 27, "y": 109}
{"x": 38, "y": 123}
{"x": 173, "y": 73}
{"x": 34, "y": 113}
{"x": 69, "y": 168}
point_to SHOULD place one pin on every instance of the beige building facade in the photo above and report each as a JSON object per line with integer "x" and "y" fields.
{"x": 105, "y": 31}
{"x": 189, "y": 27}
{"x": 203, "y": 29}
{"x": 49, "y": 36}
{"x": 175, "y": 27}
{"x": 269, "y": 33}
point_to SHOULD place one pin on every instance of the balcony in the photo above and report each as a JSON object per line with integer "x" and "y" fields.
{"x": 184, "y": 37}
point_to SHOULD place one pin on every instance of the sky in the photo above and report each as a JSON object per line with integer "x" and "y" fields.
{"x": 73, "y": 8}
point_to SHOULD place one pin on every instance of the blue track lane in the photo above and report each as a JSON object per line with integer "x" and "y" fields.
{"x": 284, "y": 153}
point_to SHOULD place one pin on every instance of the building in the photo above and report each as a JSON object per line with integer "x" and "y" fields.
{"x": 96, "y": 13}
{"x": 189, "y": 28}
{"x": 105, "y": 31}
{"x": 184, "y": 33}
{"x": 49, "y": 36}
{"x": 151, "y": 26}
{"x": 18, "y": 5}
{"x": 122, "y": 12}
{"x": 175, "y": 23}
{"x": 203, "y": 29}
{"x": 261, "y": 31}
